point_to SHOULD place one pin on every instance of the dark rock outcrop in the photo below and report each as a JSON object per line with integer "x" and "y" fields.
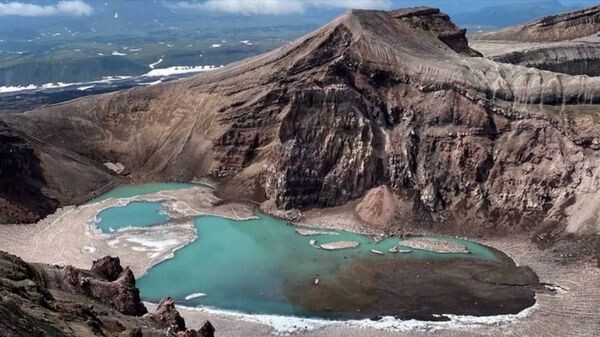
{"x": 42, "y": 300}
{"x": 35, "y": 178}
{"x": 108, "y": 268}
{"x": 120, "y": 293}
{"x": 166, "y": 316}
{"x": 433, "y": 20}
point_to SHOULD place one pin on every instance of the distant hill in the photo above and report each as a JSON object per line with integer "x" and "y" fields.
{"x": 508, "y": 14}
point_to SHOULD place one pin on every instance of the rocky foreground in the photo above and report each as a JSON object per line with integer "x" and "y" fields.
{"x": 46, "y": 300}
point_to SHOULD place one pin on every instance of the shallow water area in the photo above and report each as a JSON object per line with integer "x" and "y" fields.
{"x": 134, "y": 214}
{"x": 264, "y": 266}
{"x": 268, "y": 266}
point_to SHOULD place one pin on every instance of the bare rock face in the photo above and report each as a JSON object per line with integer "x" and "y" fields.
{"x": 21, "y": 180}
{"x": 576, "y": 58}
{"x": 36, "y": 178}
{"x": 108, "y": 268}
{"x": 120, "y": 293}
{"x": 166, "y": 316}
{"x": 207, "y": 330}
{"x": 42, "y": 300}
{"x": 431, "y": 19}
{"x": 464, "y": 144}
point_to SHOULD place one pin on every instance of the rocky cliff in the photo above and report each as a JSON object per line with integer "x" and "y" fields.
{"x": 35, "y": 177}
{"x": 375, "y": 98}
{"x": 42, "y": 300}
{"x": 566, "y": 43}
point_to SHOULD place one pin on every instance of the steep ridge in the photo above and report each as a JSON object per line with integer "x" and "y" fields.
{"x": 373, "y": 98}
{"x": 566, "y": 43}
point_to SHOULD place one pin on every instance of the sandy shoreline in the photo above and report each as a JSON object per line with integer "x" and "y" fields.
{"x": 70, "y": 237}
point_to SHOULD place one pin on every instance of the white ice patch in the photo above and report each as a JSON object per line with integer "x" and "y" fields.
{"x": 556, "y": 288}
{"x": 246, "y": 42}
{"x": 113, "y": 243}
{"x": 115, "y": 167}
{"x": 155, "y": 245}
{"x": 114, "y": 78}
{"x": 152, "y": 65}
{"x": 90, "y": 249}
{"x": 290, "y": 324}
{"x": 194, "y": 295}
{"x": 216, "y": 45}
{"x": 4, "y": 89}
{"x": 179, "y": 70}
{"x": 116, "y": 53}
{"x": 152, "y": 83}
{"x": 84, "y": 88}
{"x": 57, "y": 85}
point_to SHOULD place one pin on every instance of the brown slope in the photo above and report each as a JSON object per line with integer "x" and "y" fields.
{"x": 373, "y": 98}
{"x": 36, "y": 177}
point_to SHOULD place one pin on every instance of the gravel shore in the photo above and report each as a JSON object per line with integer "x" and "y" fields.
{"x": 69, "y": 237}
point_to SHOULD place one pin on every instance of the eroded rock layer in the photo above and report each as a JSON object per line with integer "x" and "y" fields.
{"x": 374, "y": 98}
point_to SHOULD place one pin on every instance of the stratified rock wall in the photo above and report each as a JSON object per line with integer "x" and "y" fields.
{"x": 374, "y": 98}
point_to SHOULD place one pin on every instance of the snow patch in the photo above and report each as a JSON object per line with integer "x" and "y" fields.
{"x": 84, "y": 88}
{"x": 156, "y": 245}
{"x": 179, "y": 70}
{"x": 17, "y": 88}
{"x": 90, "y": 249}
{"x": 116, "y": 53}
{"x": 152, "y": 65}
{"x": 194, "y": 295}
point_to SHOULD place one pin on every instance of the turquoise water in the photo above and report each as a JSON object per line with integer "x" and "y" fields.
{"x": 134, "y": 214}
{"x": 130, "y": 191}
{"x": 253, "y": 266}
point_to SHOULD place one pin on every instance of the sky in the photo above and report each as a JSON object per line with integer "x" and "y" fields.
{"x": 83, "y": 8}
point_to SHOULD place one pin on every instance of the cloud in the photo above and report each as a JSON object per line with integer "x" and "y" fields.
{"x": 276, "y": 7}
{"x": 67, "y": 7}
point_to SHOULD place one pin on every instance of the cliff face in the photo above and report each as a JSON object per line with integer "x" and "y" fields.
{"x": 373, "y": 98}
{"x": 35, "y": 178}
{"x": 41, "y": 300}
{"x": 565, "y": 43}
